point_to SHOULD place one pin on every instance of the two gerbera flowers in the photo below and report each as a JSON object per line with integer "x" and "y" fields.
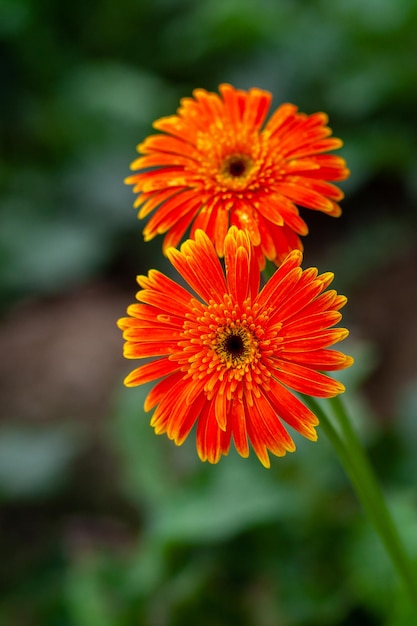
{"x": 228, "y": 352}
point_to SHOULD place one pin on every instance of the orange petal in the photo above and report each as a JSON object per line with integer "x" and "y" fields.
{"x": 305, "y": 380}
{"x": 292, "y": 410}
{"x": 150, "y": 371}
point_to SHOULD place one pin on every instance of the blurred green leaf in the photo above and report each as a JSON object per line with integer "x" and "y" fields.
{"x": 239, "y": 495}
{"x": 14, "y": 15}
{"x": 87, "y": 598}
{"x": 115, "y": 92}
{"x": 43, "y": 255}
{"x": 147, "y": 479}
{"x": 35, "y": 461}
{"x": 372, "y": 576}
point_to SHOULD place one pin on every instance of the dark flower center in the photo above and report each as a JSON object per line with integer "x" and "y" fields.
{"x": 237, "y": 165}
{"x": 234, "y": 345}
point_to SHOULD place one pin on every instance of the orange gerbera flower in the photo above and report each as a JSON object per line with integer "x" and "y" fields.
{"x": 215, "y": 166}
{"x": 228, "y": 354}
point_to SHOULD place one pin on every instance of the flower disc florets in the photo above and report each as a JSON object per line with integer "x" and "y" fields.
{"x": 224, "y": 343}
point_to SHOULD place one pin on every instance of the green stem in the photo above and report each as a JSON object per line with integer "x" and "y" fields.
{"x": 353, "y": 457}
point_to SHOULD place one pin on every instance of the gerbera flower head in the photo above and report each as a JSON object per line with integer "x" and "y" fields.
{"x": 217, "y": 163}
{"x": 229, "y": 354}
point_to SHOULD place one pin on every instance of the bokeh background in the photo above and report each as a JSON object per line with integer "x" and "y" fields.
{"x": 102, "y": 523}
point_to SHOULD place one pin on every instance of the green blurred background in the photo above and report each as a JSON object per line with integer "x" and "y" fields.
{"x": 102, "y": 523}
